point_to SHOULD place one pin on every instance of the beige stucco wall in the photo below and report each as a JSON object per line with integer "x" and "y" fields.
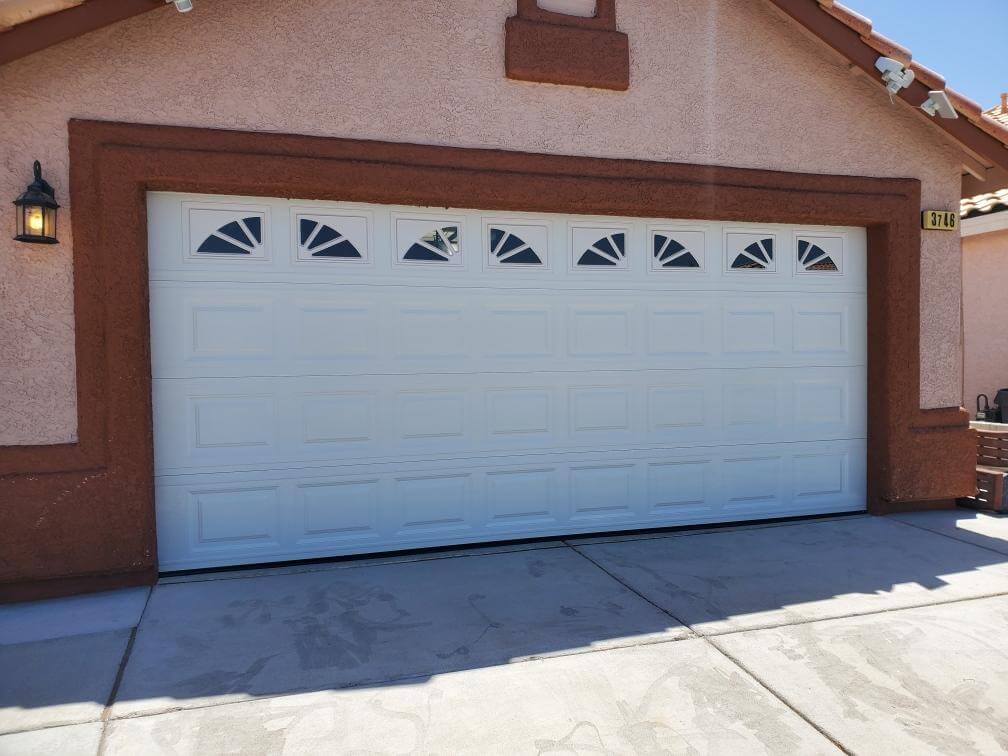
{"x": 727, "y": 82}
{"x": 985, "y": 294}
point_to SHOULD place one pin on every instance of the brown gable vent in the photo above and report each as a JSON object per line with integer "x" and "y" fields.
{"x": 567, "y": 48}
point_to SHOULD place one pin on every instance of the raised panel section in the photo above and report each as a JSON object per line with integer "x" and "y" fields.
{"x": 331, "y": 332}
{"x": 599, "y": 332}
{"x": 750, "y": 330}
{"x": 821, "y": 403}
{"x": 519, "y": 495}
{"x": 676, "y": 486}
{"x": 518, "y": 412}
{"x": 680, "y": 332}
{"x": 339, "y": 510}
{"x": 235, "y": 330}
{"x": 431, "y": 414}
{"x": 236, "y": 516}
{"x": 676, "y": 407}
{"x": 436, "y": 502}
{"x": 821, "y": 330}
{"x": 338, "y": 418}
{"x": 600, "y": 409}
{"x": 600, "y": 491}
{"x": 427, "y": 333}
{"x": 222, "y": 421}
{"x": 820, "y": 474}
{"x": 753, "y": 482}
{"x": 752, "y": 406}
{"x": 516, "y": 332}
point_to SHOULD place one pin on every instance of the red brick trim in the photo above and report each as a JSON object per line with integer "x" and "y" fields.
{"x": 556, "y": 48}
{"x": 100, "y": 520}
{"x": 33, "y": 590}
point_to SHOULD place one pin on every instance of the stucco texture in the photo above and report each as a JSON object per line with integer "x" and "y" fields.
{"x": 985, "y": 283}
{"x": 725, "y": 82}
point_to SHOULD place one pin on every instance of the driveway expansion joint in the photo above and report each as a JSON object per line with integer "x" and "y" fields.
{"x": 778, "y": 695}
{"x": 107, "y": 710}
{"x": 696, "y": 634}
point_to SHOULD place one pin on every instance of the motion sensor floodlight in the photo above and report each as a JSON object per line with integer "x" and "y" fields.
{"x": 938, "y": 103}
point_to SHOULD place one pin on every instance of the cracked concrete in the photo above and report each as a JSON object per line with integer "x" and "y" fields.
{"x": 854, "y": 634}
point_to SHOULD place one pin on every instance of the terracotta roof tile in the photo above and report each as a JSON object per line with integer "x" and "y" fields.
{"x": 998, "y": 113}
{"x": 984, "y": 204}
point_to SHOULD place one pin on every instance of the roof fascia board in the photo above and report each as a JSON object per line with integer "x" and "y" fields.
{"x": 984, "y": 224}
{"x": 848, "y": 43}
{"x": 45, "y": 31}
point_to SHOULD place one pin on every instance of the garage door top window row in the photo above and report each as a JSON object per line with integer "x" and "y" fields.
{"x": 333, "y": 236}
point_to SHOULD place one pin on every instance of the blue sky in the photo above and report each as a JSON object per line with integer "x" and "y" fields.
{"x": 966, "y": 41}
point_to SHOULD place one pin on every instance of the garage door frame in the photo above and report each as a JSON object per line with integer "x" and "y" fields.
{"x": 94, "y": 498}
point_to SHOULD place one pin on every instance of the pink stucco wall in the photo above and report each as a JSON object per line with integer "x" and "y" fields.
{"x": 727, "y": 82}
{"x": 985, "y": 321}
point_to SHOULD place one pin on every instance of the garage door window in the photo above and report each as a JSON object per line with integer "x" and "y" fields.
{"x": 677, "y": 251}
{"x": 242, "y": 236}
{"x": 322, "y": 240}
{"x": 610, "y": 250}
{"x": 749, "y": 252}
{"x": 429, "y": 242}
{"x": 820, "y": 254}
{"x": 507, "y": 248}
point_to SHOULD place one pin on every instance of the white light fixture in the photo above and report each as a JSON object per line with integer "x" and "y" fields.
{"x": 938, "y": 103}
{"x": 580, "y": 8}
{"x": 182, "y": 6}
{"x": 894, "y": 74}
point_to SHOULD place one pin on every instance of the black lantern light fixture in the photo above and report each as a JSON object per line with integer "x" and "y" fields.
{"x": 36, "y": 211}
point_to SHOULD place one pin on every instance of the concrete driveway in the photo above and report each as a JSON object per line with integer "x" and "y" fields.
{"x": 856, "y": 634}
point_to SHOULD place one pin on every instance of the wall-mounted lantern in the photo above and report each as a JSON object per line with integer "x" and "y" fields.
{"x": 36, "y": 211}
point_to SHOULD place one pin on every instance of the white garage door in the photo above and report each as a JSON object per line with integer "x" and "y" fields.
{"x": 348, "y": 378}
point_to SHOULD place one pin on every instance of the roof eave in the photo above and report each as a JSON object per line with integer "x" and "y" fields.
{"x": 45, "y": 31}
{"x": 855, "y": 40}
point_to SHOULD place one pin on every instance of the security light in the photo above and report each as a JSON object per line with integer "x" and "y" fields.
{"x": 938, "y": 103}
{"x": 894, "y": 74}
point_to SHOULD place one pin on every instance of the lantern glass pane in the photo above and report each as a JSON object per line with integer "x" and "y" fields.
{"x": 34, "y": 220}
{"x": 50, "y": 222}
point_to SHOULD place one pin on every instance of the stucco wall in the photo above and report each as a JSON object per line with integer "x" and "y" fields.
{"x": 985, "y": 295}
{"x": 727, "y": 82}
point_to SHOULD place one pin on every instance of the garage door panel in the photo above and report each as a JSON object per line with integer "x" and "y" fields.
{"x": 230, "y": 423}
{"x": 411, "y": 505}
{"x": 274, "y": 330}
{"x": 335, "y": 378}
